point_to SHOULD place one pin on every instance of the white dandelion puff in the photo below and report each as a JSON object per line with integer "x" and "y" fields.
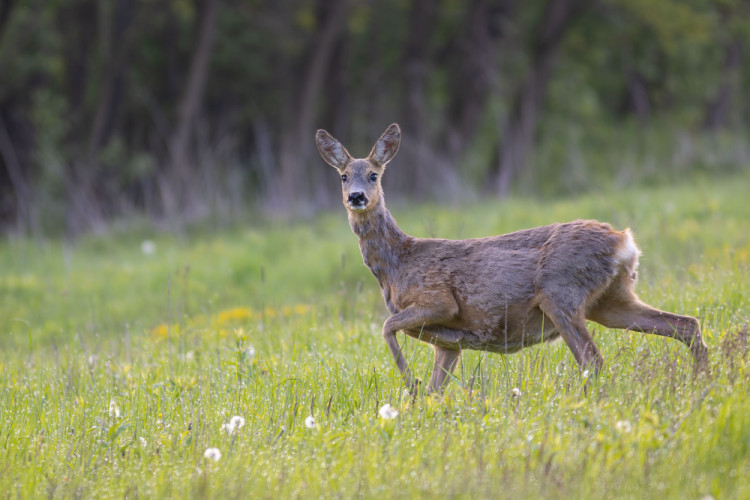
{"x": 585, "y": 374}
{"x": 387, "y": 412}
{"x": 623, "y": 426}
{"x": 234, "y": 424}
{"x": 212, "y": 454}
{"x": 310, "y": 422}
{"x": 143, "y": 441}
{"x": 516, "y": 392}
{"x": 114, "y": 411}
{"x": 148, "y": 247}
{"x": 237, "y": 421}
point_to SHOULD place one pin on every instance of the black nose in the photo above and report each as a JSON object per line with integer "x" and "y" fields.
{"x": 357, "y": 198}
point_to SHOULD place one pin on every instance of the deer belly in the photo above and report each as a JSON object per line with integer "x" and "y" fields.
{"x": 510, "y": 333}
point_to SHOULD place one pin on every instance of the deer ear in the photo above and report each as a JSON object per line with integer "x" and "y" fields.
{"x": 385, "y": 149}
{"x": 331, "y": 150}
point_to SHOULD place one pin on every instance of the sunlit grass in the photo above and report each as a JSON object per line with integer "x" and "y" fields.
{"x": 123, "y": 370}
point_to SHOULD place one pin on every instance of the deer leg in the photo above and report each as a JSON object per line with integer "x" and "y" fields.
{"x": 636, "y": 316}
{"x": 412, "y": 318}
{"x": 573, "y": 330}
{"x": 445, "y": 361}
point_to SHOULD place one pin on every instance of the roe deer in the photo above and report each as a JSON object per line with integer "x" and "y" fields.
{"x": 500, "y": 293}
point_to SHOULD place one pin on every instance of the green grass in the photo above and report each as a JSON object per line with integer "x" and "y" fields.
{"x": 165, "y": 336}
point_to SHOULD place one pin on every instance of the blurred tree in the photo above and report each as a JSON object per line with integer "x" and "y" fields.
{"x": 181, "y": 163}
{"x": 183, "y": 108}
{"x": 520, "y": 126}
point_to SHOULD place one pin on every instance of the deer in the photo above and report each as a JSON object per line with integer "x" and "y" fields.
{"x": 499, "y": 293}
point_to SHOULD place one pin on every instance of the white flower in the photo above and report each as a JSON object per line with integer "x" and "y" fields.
{"x": 237, "y": 422}
{"x": 212, "y": 453}
{"x": 623, "y": 426}
{"x": 310, "y": 422}
{"x": 585, "y": 374}
{"x": 148, "y": 247}
{"x": 234, "y": 424}
{"x": 114, "y": 411}
{"x": 387, "y": 412}
{"x": 516, "y": 392}
{"x": 143, "y": 441}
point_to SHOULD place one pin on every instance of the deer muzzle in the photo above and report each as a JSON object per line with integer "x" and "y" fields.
{"x": 357, "y": 200}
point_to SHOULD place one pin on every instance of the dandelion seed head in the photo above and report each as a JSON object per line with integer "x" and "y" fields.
{"x": 229, "y": 428}
{"x": 623, "y": 426}
{"x": 387, "y": 412}
{"x": 212, "y": 454}
{"x": 310, "y": 422}
{"x": 585, "y": 374}
{"x": 237, "y": 422}
{"x": 148, "y": 247}
{"x": 114, "y": 411}
{"x": 143, "y": 441}
{"x": 516, "y": 392}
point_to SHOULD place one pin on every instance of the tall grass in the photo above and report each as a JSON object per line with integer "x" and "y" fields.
{"x": 119, "y": 367}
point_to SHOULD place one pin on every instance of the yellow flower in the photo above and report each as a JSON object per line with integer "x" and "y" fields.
{"x": 301, "y": 309}
{"x": 270, "y": 312}
{"x": 235, "y": 314}
{"x": 160, "y": 331}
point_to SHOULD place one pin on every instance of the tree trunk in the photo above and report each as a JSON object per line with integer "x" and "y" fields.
{"x": 181, "y": 166}
{"x": 296, "y": 137}
{"x": 414, "y": 121}
{"x": 6, "y": 7}
{"x": 717, "y": 109}
{"x": 114, "y": 72}
{"x": 520, "y": 126}
{"x": 19, "y": 185}
{"x": 477, "y": 72}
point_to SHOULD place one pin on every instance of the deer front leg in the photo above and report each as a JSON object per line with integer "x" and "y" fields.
{"x": 445, "y": 361}
{"x": 413, "y": 318}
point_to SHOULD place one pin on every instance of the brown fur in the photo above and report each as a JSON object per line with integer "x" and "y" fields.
{"x": 500, "y": 293}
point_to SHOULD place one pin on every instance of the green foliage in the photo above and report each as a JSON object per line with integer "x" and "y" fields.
{"x": 91, "y": 94}
{"x": 122, "y": 361}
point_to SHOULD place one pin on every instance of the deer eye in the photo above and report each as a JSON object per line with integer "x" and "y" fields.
{"x": 344, "y": 178}
{"x": 373, "y": 177}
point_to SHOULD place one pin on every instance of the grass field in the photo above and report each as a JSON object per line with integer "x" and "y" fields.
{"x": 124, "y": 357}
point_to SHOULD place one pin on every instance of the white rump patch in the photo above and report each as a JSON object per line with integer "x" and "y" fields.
{"x": 628, "y": 250}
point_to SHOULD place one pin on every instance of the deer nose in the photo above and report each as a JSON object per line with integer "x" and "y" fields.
{"x": 357, "y": 198}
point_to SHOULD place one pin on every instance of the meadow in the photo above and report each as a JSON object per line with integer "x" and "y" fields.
{"x": 125, "y": 357}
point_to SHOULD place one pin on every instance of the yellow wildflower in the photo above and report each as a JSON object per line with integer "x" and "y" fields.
{"x": 235, "y": 314}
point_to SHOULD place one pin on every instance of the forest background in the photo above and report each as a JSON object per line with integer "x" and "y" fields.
{"x": 183, "y": 110}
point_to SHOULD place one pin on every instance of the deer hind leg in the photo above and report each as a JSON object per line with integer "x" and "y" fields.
{"x": 629, "y": 313}
{"x": 572, "y": 328}
{"x": 445, "y": 362}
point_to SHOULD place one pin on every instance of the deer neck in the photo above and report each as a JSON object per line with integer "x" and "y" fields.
{"x": 381, "y": 241}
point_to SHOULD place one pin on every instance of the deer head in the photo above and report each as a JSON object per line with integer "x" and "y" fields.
{"x": 360, "y": 178}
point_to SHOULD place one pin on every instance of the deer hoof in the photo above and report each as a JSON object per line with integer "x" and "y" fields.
{"x": 414, "y": 386}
